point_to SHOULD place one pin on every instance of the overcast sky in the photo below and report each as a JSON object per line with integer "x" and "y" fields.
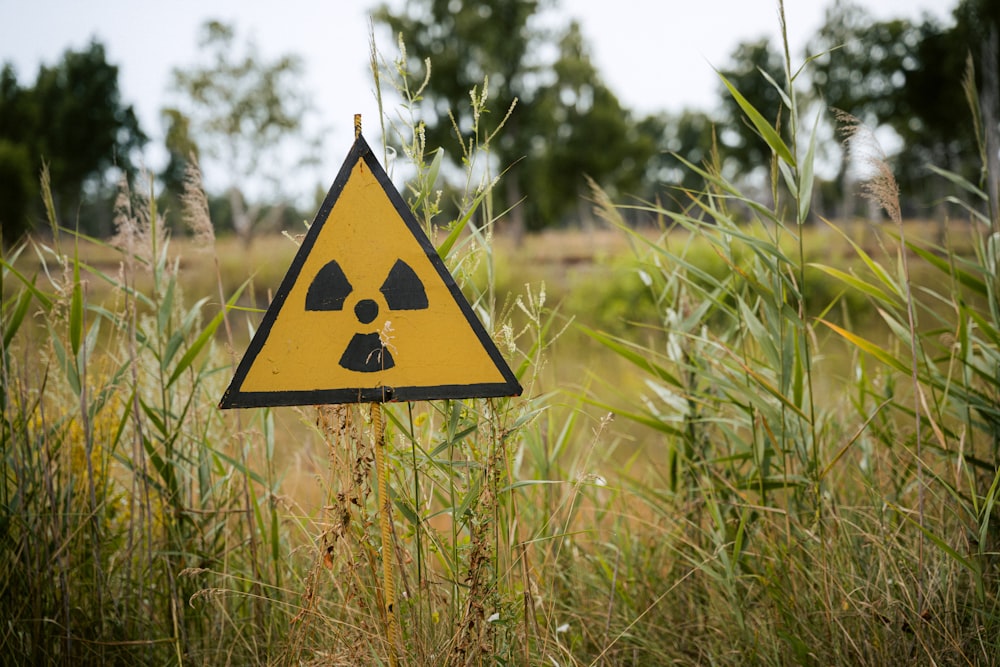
{"x": 654, "y": 54}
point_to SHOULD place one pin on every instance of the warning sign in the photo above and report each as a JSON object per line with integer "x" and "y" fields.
{"x": 367, "y": 311}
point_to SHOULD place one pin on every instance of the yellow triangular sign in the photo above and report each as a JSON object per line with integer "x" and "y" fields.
{"x": 367, "y": 311}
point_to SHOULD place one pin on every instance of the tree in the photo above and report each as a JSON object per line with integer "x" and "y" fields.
{"x": 978, "y": 24}
{"x": 936, "y": 91}
{"x": 688, "y": 135}
{"x": 241, "y": 110}
{"x": 17, "y": 170}
{"x": 73, "y": 119}
{"x": 860, "y": 66}
{"x": 584, "y": 131}
{"x": 567, "y": 124}
{"x": 740, "y": 143}
{"x": 17, "y": 190}
{"x": 467, "y": 41}
{"x": 181, "y": 147}
{"x": 933, "y": 118}
{"x": 84, "y": 129}
{"x": 910, "y": 77}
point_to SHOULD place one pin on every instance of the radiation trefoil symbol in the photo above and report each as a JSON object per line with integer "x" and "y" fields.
{"x": 402, "y": 290}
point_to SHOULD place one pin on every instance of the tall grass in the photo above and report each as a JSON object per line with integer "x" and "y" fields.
{"x": 776, "y": 507}
{"x": 124, "y": 492}
{"x": 808, "y": 527}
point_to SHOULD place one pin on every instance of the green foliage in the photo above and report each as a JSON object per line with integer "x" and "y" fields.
{"x": 562, "y": 123}
{"x": 181, "y": 147}
{"x": 909, "y": 76}
{"x": 17, "y": 191}
{"x": 466, "y": 44}
{"x": 72, "y": 120}
{"x": 239, "y": 111}
{"x": 806, "y": 505}
{"x": 857, "y": 65}
{"x": 83, "y": 127}
{"x": 688, "y": 136}
{"x": 586, "y": 133}
{"x": 121, "y": 484}
{"x": 742, "y": 140}
{"x": 615, "y": 299}
{"x": 857, "y": 62}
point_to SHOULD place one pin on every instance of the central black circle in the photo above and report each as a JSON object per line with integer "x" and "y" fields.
{"x": 366, "y": 310}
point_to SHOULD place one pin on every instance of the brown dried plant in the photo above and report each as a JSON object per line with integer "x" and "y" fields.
{"x": 881, "y": 187}
{"x": 138, "y": 233}
{"x": 195, "y": 206}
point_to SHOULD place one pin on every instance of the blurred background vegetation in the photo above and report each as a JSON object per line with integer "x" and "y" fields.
{"x": 242, "y": 114}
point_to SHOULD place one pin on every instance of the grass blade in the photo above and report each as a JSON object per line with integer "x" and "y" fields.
{"x": 764, "y": 128}
{"x": 203, "y": 338}
{"x": 16, "y": 318}
{"x": 869, "y": 347}
{"x": 76, "y": 311}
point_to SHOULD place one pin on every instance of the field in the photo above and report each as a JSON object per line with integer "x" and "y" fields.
{"x": 787, "y": 521}
{"x": 746, "y": 436}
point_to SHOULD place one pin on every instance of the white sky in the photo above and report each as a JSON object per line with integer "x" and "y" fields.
{"x": 654, "y": 54}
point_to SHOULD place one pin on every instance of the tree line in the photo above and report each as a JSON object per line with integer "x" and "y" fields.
{"x": 238, "y": 109}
